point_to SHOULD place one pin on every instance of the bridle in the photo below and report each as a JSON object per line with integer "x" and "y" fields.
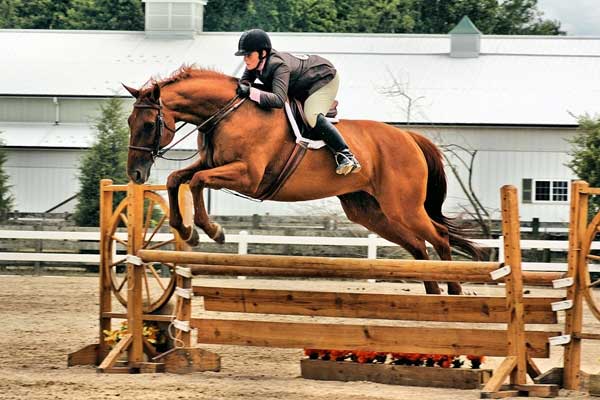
{"x": 160, "y": 125}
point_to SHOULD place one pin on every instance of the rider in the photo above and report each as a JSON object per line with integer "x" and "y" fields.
{"x": 307, "y": 77}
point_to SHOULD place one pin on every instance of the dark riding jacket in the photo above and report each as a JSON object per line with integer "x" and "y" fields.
{"x": 285, "y": 74}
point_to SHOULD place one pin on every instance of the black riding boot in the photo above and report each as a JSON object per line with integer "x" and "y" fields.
{"x": 346, "y": 162}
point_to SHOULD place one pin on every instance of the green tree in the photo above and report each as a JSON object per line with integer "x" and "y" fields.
{"x": 521, "y": 17}
{"x": 107, "y": 158}
{"x": 387, "y": 16}
{"x": 8, "y": 13}
{"x": 6, "y": 198}
{"x": 383, "y": 16}
{"x": 314, "y": 16}
{"x": 239, "y": 15}
{"x": 72, "y": 14}
{"x": 124, "y": 15}
{"x": 40, "y": 14}
{"x": 509, "y": 17}
{"x": 585, "y": 155}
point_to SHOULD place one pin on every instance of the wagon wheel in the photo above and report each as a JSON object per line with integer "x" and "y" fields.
{"x": 591, "y": 282}
{"x": 158, "y": 279}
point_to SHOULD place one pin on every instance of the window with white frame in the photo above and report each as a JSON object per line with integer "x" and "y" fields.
{"x": 545, "y": 191}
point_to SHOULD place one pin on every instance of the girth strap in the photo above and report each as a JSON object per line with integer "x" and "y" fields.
{"x": 288, "y": 169}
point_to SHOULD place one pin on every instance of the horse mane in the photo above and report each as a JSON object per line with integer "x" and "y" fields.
{"x": 182, "y": 73}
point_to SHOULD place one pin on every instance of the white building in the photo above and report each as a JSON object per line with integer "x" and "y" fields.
{"x": 511, "y": 98}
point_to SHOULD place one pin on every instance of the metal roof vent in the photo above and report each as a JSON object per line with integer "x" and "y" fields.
{"x": 465, "y": 39}
{"x": 180, "y": 18}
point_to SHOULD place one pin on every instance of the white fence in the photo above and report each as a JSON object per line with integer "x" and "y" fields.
{"x": 243, "y": 239}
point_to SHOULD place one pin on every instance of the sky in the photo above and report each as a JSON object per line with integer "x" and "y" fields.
{"x": 577, "y": 17}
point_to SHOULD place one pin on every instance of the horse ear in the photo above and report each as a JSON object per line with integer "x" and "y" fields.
{"x": 155, "y": 93}
{"x": 134, "y": 92}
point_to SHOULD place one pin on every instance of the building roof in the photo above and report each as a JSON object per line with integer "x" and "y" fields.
{"x": 18, "y": 134}
{"x": 522, "y": 80}
{"x": 66, "y": 136}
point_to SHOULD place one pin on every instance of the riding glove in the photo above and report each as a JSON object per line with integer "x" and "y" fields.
{"x": 243, "y": 90}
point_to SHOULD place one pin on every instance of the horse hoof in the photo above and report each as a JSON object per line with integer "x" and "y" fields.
{"x": 194, "y": 238}
{"x": 219, "y": 236}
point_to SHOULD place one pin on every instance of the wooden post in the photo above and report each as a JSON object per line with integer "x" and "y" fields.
{"x": 184, "y": 305}
{"x": 515, "y": 364}
{"x": 135, "y": 218}
{"x": 106, "y": 210}
{"x": 514, "y": 284}
{"x": 576, "y": 260}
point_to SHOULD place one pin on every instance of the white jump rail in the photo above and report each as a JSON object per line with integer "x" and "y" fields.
{"x": 243, "y": 239}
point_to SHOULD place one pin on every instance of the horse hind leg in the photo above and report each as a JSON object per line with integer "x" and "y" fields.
{"x": 363, "y": 209}
{"x": 418, "y": 223}
{"x": 443, "y": 250}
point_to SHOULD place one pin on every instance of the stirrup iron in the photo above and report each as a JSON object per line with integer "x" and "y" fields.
{"x": 347, "y": 164}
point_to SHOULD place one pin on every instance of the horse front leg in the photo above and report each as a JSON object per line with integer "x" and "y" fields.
{"x": 232, "y": 176}
{"x": 174, "y": 181}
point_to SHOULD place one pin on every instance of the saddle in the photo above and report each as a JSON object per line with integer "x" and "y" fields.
{"x": 297, "y": 112}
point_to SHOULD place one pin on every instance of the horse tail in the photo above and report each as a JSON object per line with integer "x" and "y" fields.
{"x": 436, "y": 194}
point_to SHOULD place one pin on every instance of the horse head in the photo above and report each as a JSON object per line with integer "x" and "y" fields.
{"x": 151, "y": 128}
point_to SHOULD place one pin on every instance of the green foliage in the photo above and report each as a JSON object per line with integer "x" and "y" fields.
{"x": 34, "y": 14}
{"x": 6, "y": 198}
{"x": 106, "y": 159}
{"x": 238, "y": 15}
{"x": 121, "y": 15}
{"x": 72, "y": 14}
{"x": 585, "y": 155}
{"x": 384, "y": 16}
{"x": 510, "y": 17}
{"x": 8, "y": 14}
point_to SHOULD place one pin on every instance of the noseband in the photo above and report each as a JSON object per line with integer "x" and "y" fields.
{"x": 160, "y": 125}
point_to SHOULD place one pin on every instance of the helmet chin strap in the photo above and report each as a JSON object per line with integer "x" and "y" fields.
{"x": 261, "y": 59}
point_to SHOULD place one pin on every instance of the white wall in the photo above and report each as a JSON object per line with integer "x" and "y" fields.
{"x": 42, "y": 178}
{"x": 507, "y": 156}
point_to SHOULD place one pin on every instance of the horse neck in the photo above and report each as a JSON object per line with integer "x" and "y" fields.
{"x": 195, "y": 100}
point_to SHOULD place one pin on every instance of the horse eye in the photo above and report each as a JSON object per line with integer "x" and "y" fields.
{"x": 148, "y": 126}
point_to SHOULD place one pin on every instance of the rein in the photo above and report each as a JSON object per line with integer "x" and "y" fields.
{"x": 214, "y": 119}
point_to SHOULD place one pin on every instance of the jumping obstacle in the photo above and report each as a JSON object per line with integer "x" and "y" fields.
{"x": 517, "y": 345}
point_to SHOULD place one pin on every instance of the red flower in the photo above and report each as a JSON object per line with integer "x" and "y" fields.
{"x": 365, "y": 356}
{"x": 339, "y": 355}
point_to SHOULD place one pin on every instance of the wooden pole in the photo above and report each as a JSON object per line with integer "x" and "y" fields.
{"x": 514, "y": 283}
{"x": 576, "y": 259}
{"x": 184, "y": 305}
{"x": 515, "y": 364}
{"x": 467, "y": 271}
{"x": 135, "y": 217}
{"x": 324, "y": 267}
{"x": 106, "y": 210}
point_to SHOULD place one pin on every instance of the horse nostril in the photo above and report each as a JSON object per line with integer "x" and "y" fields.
{"x": 138, "y": 176}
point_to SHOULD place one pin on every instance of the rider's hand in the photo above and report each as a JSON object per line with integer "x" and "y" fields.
{"x": 243, "y": 90}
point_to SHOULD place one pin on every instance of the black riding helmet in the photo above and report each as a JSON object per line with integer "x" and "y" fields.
{"x": 253, "y": 40}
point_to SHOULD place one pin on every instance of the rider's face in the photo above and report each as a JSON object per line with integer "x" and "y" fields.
{"x": 251, "y": 60}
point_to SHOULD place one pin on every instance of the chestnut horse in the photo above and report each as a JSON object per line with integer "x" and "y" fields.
{"x": 398, "y": 194}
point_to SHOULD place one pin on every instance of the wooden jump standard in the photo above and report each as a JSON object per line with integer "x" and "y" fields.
{"x": 515, "y": 344}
